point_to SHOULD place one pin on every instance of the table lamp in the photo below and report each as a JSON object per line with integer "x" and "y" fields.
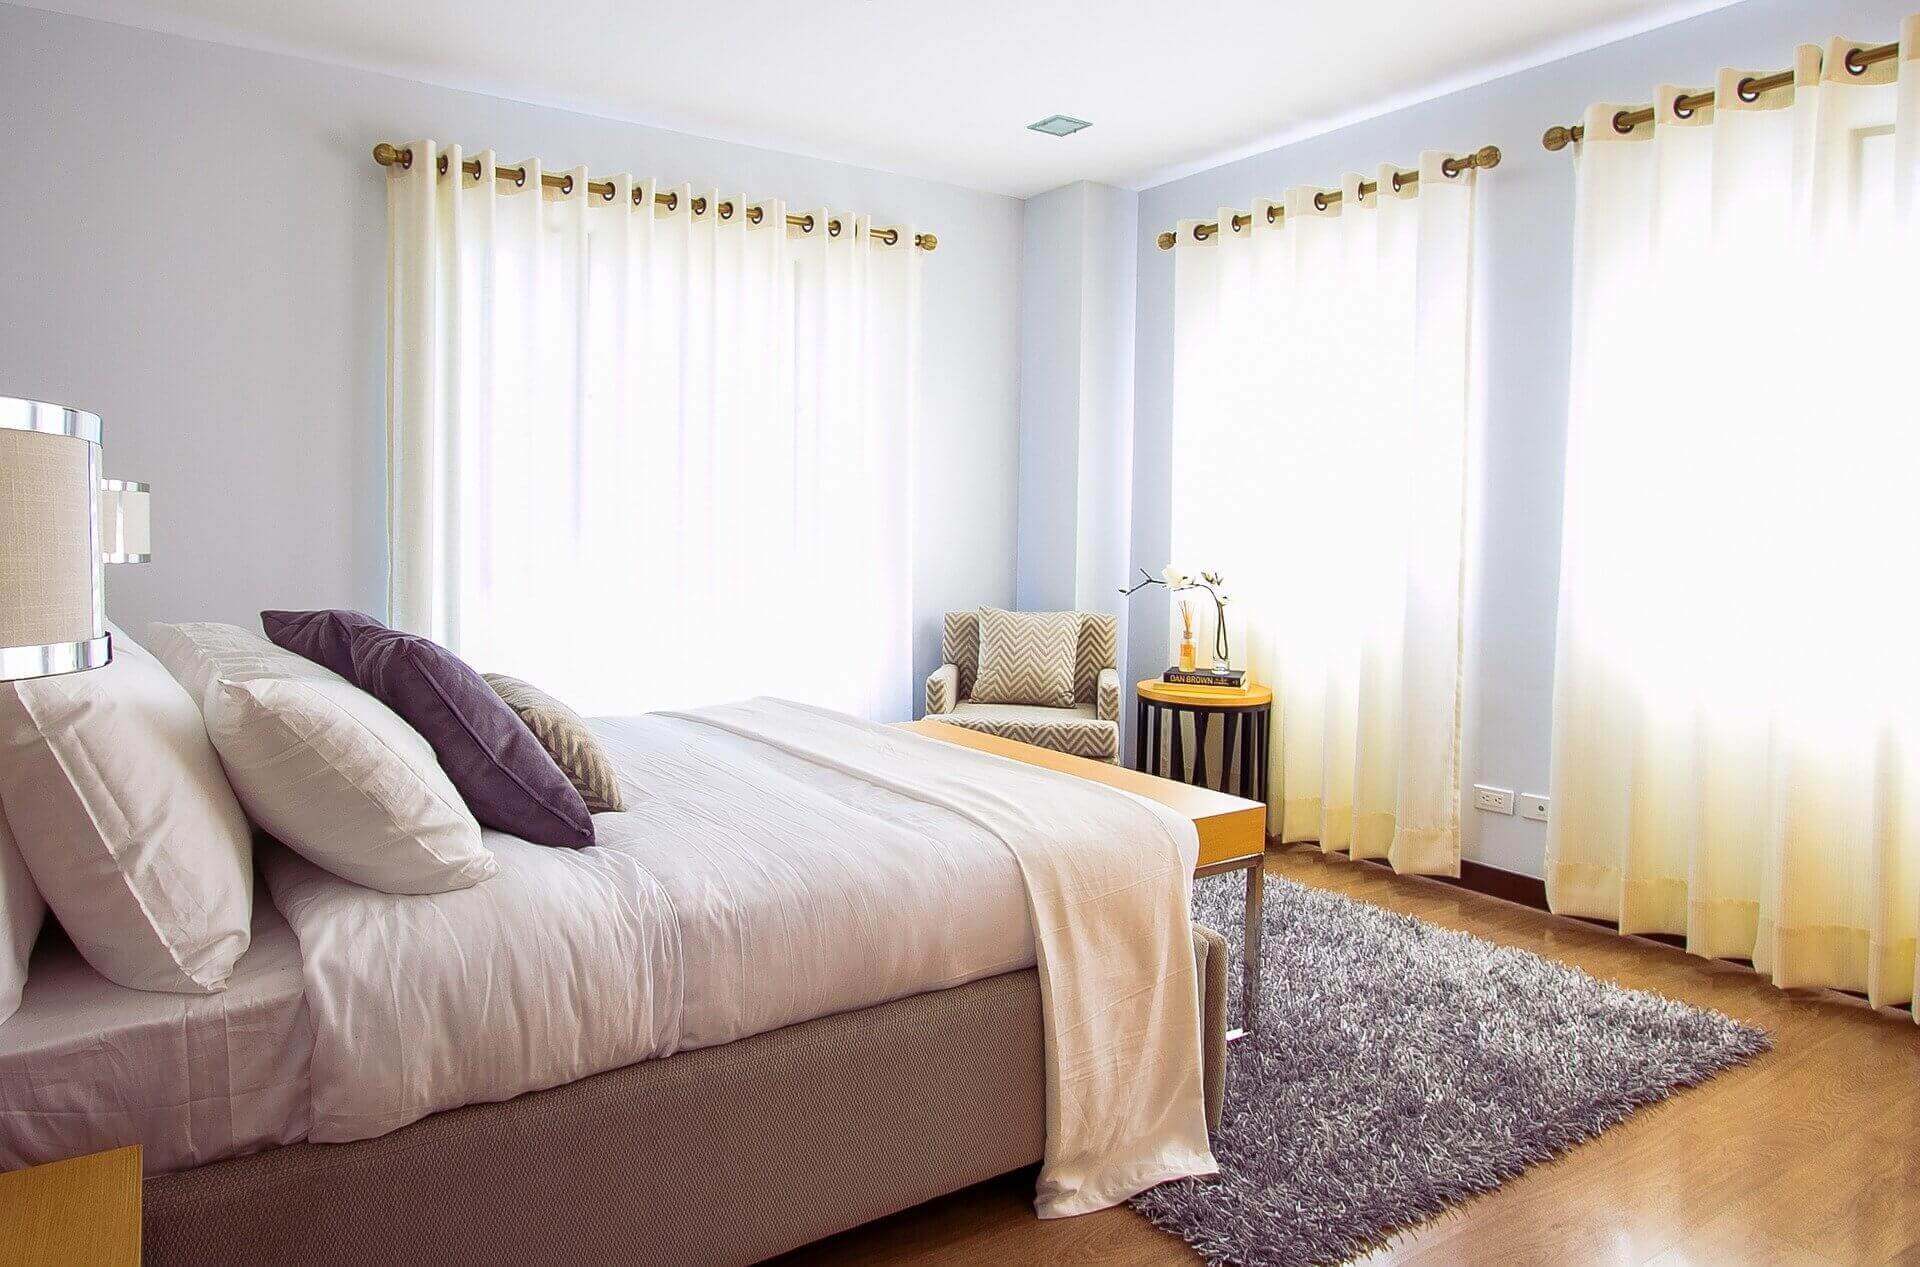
{"x": 60, "y": 523}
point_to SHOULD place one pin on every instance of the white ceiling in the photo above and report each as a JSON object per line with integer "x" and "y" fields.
{"x": 939, "y": 90}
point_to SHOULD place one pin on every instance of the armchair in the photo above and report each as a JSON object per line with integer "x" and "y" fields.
{"x": 1090, "y": 728}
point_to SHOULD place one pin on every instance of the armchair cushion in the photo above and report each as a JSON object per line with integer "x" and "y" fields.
{"x": 1106, "y": 706}
{"x": 1027, "y": 658}
{"x": 1074, "y": 730}
{"x": 943, "y": 689}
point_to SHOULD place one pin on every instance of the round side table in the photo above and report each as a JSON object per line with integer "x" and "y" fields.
{"x": 1158, "y": 729}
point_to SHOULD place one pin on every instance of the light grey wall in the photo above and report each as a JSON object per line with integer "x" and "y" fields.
{"x": 1106, "y": 401}
{"x": 1051, "y": 301}
{"x": 1076, "y": 397}
{"x": 1524, "y": 265}
{"x": 193, "y": 245}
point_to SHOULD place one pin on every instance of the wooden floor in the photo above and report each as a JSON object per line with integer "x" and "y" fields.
{"x": 1810, "y": 1155}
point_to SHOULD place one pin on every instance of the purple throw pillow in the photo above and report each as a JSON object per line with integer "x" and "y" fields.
{"x": 324, "y": 637}
{"x": 499, "y": 767}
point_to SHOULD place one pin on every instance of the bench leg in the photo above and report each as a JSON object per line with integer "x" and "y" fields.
{"x": 1250, "y": 950}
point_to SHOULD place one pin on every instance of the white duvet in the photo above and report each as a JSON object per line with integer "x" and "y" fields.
{"x": 777, "y": 863}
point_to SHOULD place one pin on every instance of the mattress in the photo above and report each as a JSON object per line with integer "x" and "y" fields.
{"x": 742, "y": 890}
{"x": 86, "y": 1064}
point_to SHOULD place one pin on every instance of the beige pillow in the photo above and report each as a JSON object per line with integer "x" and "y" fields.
{"x": 120, "y": 809}
{"x": 566, "y": 739}
{"x": 22, "y": 911}
{"x": 324, "y": 767}
{"x": 1027, "y": 657}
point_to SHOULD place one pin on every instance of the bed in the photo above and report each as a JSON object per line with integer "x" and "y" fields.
{"x": 745, "y": 1021}
{"x": 86, "y": 1064}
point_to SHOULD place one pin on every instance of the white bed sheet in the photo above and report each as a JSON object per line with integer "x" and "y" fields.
{"x": 86, "y": 1064}
{"x": 743, "y": 889}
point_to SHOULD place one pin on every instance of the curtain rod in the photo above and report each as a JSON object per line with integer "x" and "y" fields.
{"x": 1750, "y": 90}
{"x": 391, "y": 156}
{"x": 1485, "y": 158}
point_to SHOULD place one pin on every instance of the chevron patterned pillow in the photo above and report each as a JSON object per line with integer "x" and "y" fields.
{"x": 566, "y": 739}
{"x": 1027, "y": 658}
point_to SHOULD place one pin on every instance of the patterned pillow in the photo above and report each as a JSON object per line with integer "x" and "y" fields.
{"x": 499, "y": 766}
{"x": 566, "y": 739}
{"x": 1027, "y": 658}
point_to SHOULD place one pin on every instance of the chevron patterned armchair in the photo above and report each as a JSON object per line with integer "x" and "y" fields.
{"x": 1090, "y": 727}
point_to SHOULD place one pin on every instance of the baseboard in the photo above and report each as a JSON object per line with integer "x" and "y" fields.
{"x": 1511, "y": 886}
{"x": 1508, "y": 886}
{"x": 1522, "y": 890}
{"x": 1525, "y": 890}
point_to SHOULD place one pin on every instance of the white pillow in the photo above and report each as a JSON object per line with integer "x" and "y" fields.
{"x": 118, "y": 805}
{"x": 323, "y": 766}
{"x": 21, "y": 912}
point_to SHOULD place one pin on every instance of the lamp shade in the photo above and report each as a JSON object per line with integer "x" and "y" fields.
{"x": 53, "y": 615}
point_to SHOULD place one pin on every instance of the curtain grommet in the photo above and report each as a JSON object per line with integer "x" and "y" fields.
{"x": 566, "y": 183}
{"x": 607, "y": 195}
{"x": 699, "y": 205}
{"x": 1853, "y": 63}
{"x": 443, "y": 164}
{"x": 673, "y": 200}
{"x": 726, "y": 210}
{"x": 520, "y": 177}
{"x": 1680, "y": 108}
{"x": 1620, "y": 123}
{"x": 1320, "y": 202}
{"x": 1746, "y": 91}
{"x": 833, "y": 228}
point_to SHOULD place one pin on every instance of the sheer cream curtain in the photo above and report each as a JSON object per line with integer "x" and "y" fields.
{"x": 1320, "y": 411}
{"x": 1736, "y": 721}
{"x": 645, "y": 457}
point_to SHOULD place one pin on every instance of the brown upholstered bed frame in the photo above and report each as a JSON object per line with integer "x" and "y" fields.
{"x": 727, "y": 1154}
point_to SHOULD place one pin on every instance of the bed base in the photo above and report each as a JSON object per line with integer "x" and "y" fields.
{"x": 724, "y": 1155}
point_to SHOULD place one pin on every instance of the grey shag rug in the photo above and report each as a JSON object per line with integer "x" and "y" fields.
{"x": 1401, "y": 1068}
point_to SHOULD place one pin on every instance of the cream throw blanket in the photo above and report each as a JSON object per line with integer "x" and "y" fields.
{"x": 1109, "y": 877}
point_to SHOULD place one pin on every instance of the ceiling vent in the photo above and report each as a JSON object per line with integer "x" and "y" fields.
{"x": 1059, "y": 125}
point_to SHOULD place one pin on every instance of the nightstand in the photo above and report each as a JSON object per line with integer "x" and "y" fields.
{"x": 83, "y": 1210}
{"x": 1245, "y": 716}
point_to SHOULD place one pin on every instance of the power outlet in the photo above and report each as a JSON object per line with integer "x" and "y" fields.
{"x": 1494, "y": 800}
{"x": 1534, "y": 807}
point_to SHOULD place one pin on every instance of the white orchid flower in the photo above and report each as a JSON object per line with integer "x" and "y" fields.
{"x": 1174, "y": 577}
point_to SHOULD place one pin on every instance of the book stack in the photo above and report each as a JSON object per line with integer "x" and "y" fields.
{"x": 1225, "y": 679}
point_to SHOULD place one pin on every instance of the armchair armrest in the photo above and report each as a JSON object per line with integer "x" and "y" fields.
{"x": 943, "y": 689}
{"x": 1106, "y": 695}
